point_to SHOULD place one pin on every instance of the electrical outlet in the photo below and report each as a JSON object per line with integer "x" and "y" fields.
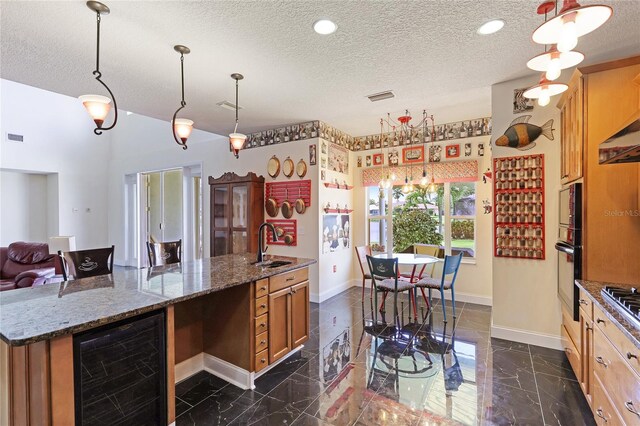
{"x": 334, "y": 269}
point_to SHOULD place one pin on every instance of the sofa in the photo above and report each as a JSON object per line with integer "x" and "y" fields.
{"x": 23, "y": 264}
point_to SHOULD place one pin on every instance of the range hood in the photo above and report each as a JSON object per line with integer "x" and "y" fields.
{"x": 623, "y": 147}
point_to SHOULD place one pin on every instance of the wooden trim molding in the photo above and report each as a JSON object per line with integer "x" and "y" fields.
{"x": 62, "y": 393}
{"x": 605, "y": 66}
{"x": 171, "y": 365}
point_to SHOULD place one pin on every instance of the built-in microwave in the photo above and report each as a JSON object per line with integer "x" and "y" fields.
{"x": 569, "y": 246}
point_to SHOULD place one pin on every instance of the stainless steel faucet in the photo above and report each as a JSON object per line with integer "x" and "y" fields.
{"x": 262, "y": 252}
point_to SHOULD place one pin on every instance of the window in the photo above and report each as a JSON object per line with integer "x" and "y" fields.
{"x": 445, "y": 218}
{"x": 377, "y": 219}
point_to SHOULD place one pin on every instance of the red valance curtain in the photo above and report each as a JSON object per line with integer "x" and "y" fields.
{"x": 450, "y": 171}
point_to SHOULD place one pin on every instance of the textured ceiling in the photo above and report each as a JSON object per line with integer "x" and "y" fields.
{"x": 427, "y": 52}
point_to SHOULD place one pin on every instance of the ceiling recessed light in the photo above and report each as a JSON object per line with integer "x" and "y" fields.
{"x": 324, "y": 26}
{"x": 491, "y": 27}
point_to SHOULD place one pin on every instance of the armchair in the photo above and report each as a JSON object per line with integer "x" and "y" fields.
{"x": 23, "y": 263}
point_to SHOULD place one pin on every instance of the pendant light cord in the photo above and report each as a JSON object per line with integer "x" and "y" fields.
{"x": 98, "y": 43}
{"x": 182, "y": 104}
{"x": 236, "y": 128}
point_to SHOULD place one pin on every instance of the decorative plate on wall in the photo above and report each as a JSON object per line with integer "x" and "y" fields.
{"x": 288, "y": 167}
{"x": 301, "y": 169}
{"x": 273, "y": 167}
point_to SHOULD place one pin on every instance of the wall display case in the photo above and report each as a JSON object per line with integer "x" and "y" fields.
{"x": 236, "y": 213}
{"x": 519, "y": 207}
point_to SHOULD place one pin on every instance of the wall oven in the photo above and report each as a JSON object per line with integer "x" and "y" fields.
{"x": 569, "y": 246}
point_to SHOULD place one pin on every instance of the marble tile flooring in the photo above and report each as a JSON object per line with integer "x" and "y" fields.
{"x": 356, "y": 371}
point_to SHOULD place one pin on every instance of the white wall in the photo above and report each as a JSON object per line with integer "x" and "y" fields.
{"x": 23, "y": 202}
{"x": 332, "y": 283}
{"x": 525, "y": 302}
{"x": 58, "y": 138}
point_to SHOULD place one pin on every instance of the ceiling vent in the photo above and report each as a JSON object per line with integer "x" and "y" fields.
{"x": 228, "y": 105}
{"x": 12, "y": 137}
{"x": 381, "y": 96}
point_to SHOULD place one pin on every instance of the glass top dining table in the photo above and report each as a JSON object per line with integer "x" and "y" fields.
{"x": 411, "y": 259}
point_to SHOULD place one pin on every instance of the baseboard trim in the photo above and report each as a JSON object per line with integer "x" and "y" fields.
{"x": 524, "y": 336}
{"x": 189, "y": 367}
{"x": 229, "y": 372}
{"x": 327, "y": 294}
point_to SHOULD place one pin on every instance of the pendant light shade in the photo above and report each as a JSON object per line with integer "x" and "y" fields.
{"x": 432, "y": 188}
{"x": 554, "y": 61}
{"x": 544, "y": 90}
{"x": 181, "y": 127}
{"x": 572, "y": 22}
{"x": 98, "y": 106}
{"x": 236, "y": 139}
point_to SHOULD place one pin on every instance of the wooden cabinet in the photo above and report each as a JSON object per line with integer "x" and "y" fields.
{"x": 571, "y": 107}
{"x": 288, "y": 313}
{"x": 237, "y": 210}
{"x": 586, "y": 352}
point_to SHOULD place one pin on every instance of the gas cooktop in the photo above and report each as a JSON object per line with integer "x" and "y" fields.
{"x": 625, "y": 301}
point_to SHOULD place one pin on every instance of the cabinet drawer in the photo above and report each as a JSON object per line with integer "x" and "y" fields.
{"x": 623, "y": 345}
{"x": 262, "y": 306}
{"x": 261, "y": 324}
{"x": 620, "y": 381}
{"x": 572, "y": 353}
{"x": 262, "y": 360}
{"x": 603, "y": 410}
{"x": 262, "y": 340}
{"x": 586, "y": 304}
{"x": 262, "y": 288}
{"x": 572, "y": 327}
{"x": 278, "y": 282}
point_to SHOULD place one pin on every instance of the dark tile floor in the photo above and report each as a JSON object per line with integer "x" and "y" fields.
{"x": 354, "y": 371}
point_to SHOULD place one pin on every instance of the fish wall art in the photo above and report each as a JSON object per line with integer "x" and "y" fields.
{"x": 522, "y": 135}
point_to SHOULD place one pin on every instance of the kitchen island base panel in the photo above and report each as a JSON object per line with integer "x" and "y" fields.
{"x": 220, "y": 368}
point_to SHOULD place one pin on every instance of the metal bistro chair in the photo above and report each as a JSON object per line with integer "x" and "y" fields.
{"x": 87, "y": 263}
{"x": 164, "y": 253}
{"x": 363, "y": 252}
{"x": 451, "y": 266}
{"x": 384, "y": 277}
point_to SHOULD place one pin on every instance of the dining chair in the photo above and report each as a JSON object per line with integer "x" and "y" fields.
{"x": 428, "y": 250}
{"x": 87, "y": 263}
{"x": 164, "y": 253}
{"x": 450, "y": 267}
{"x": 362, "y": 252}
{"x": 384, "y": 278}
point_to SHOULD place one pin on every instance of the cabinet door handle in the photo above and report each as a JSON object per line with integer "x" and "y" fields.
{"x": 630, "y": 355}
{"x": 263, "y": 306}
{"x": 263, "y": 325}
{"x": 600, "y": 361}
{"x": 291, "y": 278}
{"x": 629, "y": 406}
{"x": 599, "y": 414}
{"x": 263, "y": 342}
{"x": 583, "y": 302}
{"x": 263, "y": 288}
{"x": 263, "y": 360}
{"x": 294, "y": 290}
{"x": 600, "y": 321}
{"x": 589, "y": 328}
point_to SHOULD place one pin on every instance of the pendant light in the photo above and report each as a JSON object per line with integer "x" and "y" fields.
{"x": 181, "y": 127}
{"x": 98, "y": 106}
{"x": 423, "y": 180}
{"x": 237, "y": 139}
{"x": 544, "y": 90}
{"x": 572, "y": 22}
{"x": 384, "y": 182}
{"x": 553, "y": 62}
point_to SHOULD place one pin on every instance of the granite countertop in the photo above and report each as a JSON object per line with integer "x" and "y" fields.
{"x": 593, "y": 288}
{"x": 38, "y": 313}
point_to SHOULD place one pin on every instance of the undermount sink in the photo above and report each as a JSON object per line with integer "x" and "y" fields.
{"x": 278, "y": 263}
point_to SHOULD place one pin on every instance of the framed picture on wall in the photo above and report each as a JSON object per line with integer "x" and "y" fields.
{"x": 378, "y": 159}
{"x": 413, "y": 154}
{"x": 368, "y": 161}
{"x": 452, "y": 151}
{"x": 312, "y": 154}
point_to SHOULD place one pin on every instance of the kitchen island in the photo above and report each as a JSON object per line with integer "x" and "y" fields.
{"x": 221, "y": 314}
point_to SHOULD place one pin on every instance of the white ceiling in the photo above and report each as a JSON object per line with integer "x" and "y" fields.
{"x": 427, "y": 52}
